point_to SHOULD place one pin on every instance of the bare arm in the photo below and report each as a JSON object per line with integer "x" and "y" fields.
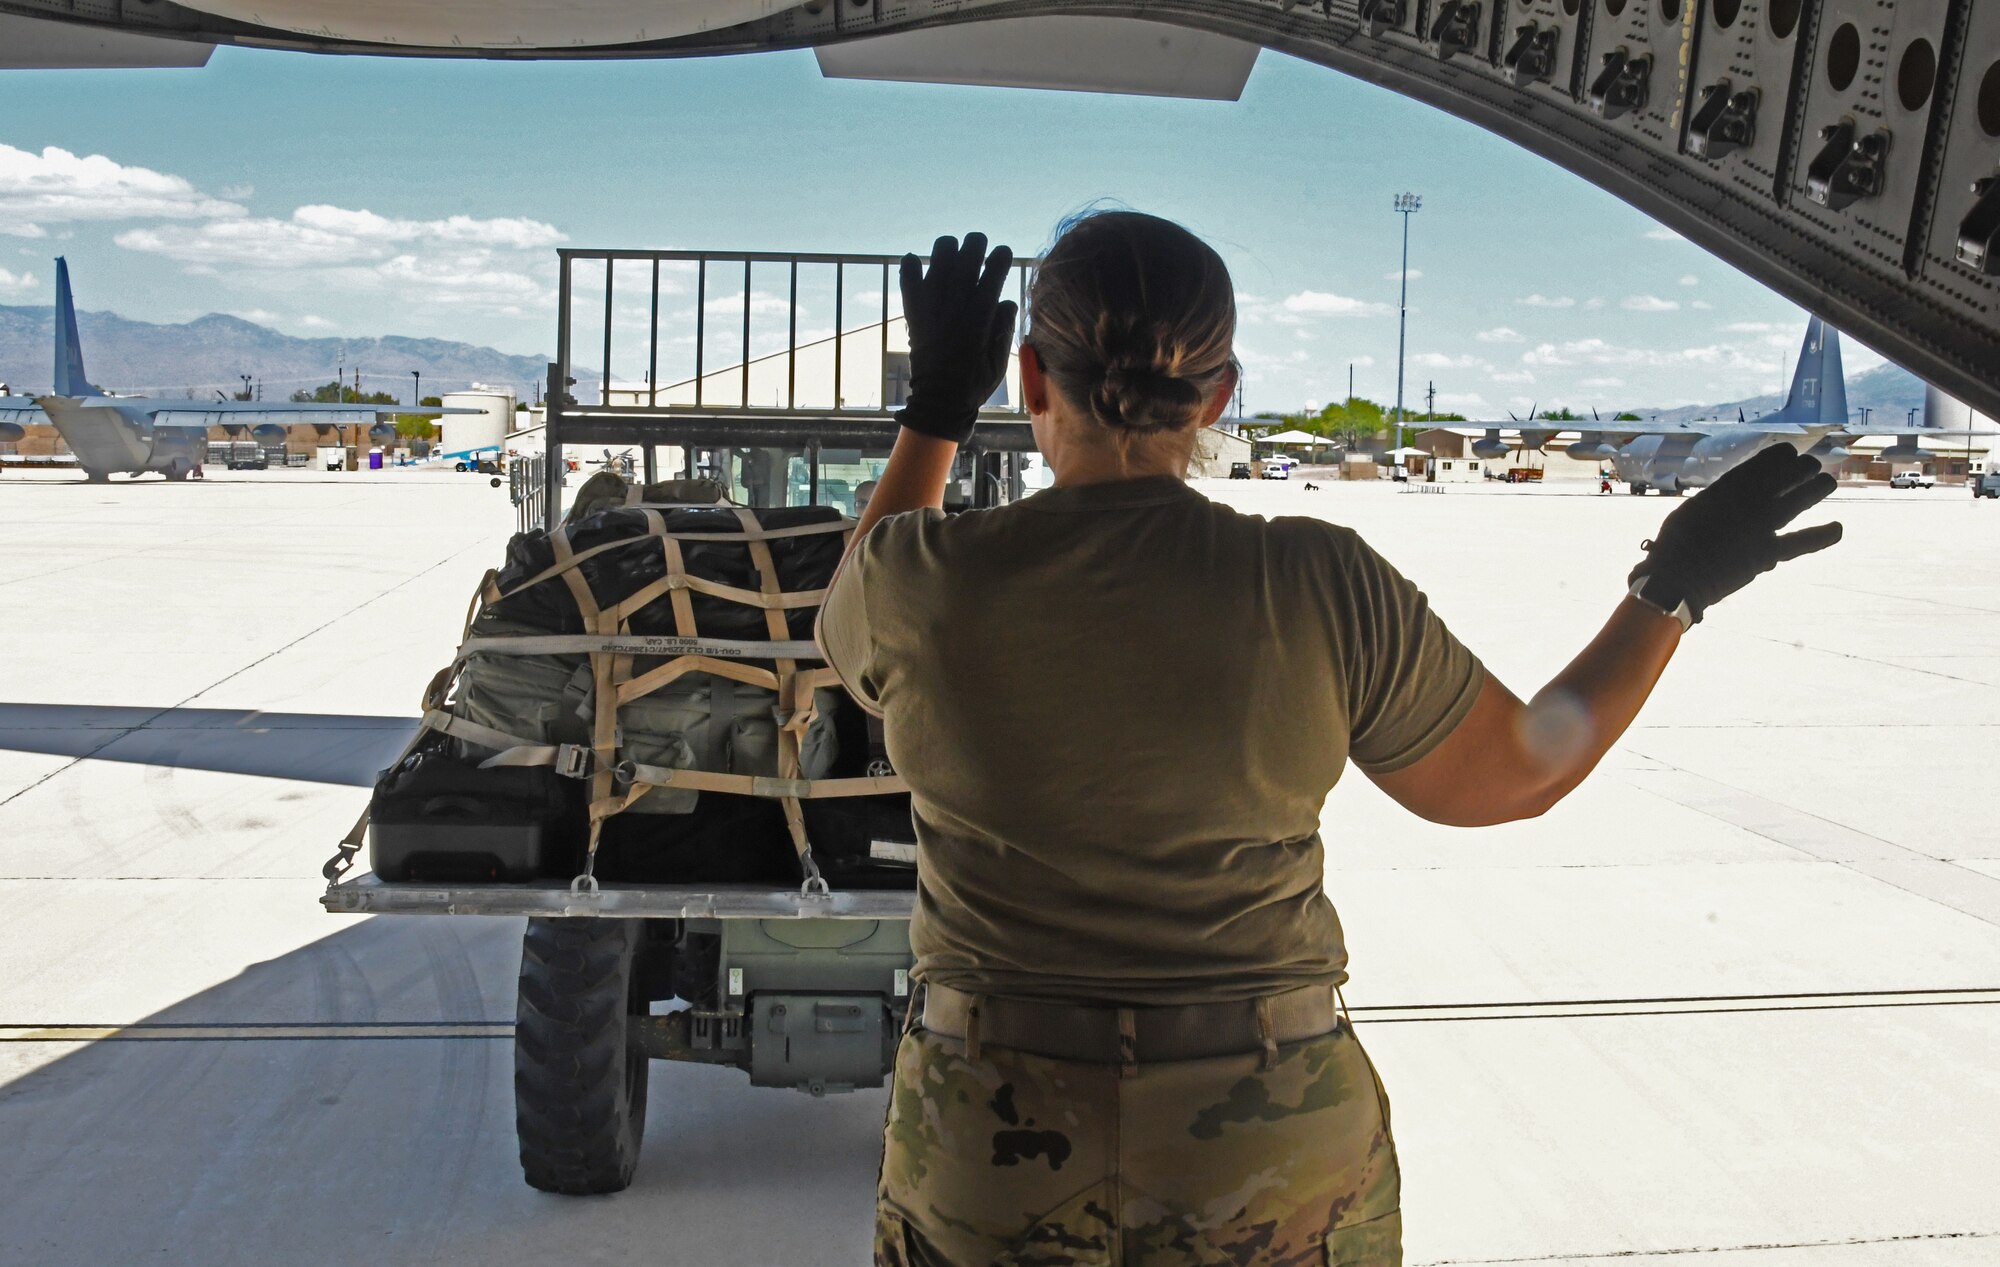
{"x": 919, "y": 466}
{"x": 1508, "y": 760}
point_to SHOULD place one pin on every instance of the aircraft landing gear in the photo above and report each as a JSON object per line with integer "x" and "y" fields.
{"x": 1638, "y": 490}
{"x": 95, "y": 477}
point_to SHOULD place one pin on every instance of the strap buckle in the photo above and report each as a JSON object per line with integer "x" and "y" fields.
{"x": 573, "y": 761}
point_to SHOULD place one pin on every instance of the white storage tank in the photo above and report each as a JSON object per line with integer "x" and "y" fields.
{"x": 487, "y": 429}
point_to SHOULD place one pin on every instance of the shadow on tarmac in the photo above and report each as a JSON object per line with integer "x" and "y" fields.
{"x": 311, "y": 747}
{"x": 331, "y": 1150}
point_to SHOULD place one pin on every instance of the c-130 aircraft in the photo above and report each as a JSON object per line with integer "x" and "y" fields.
{"x": 1675, "y": 457}
{"x": 135, "y": 435}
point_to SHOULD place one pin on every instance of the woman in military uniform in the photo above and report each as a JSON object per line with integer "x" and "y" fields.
{"x": 1120, "y": 708}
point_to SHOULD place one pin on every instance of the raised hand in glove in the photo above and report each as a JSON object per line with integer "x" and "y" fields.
{"x": 1728, "y": 535}
{"x": 960, "y": 334}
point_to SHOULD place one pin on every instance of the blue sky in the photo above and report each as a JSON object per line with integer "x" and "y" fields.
{"x": 363, "y": 196}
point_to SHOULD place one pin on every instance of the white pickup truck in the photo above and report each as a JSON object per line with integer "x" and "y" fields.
{"x": 1912, "y": 479}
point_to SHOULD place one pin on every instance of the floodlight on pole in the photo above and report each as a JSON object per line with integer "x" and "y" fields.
{"x": 1407, "y": 205}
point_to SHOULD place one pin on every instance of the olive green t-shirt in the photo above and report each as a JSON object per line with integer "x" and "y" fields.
{"x": 1119, "y": 708}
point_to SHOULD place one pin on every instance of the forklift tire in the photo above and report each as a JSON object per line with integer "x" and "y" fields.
{"x": 579, "y": 1072}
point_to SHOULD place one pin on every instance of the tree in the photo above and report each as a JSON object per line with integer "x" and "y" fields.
{"x": 341, "y": 394}
{"x": 419, "y": 426}
{"x": 1559, "y": 415}
{"x": 1628, "y": 417}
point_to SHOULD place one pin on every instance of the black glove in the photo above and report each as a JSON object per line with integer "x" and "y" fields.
{"x": 1727, "y": 535}
{"x": 960, "y": 334}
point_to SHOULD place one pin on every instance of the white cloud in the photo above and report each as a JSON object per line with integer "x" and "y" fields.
{"x": 1601, "y": 382}
{"x": 312, "y": 321}
{"x": 321, "y": 234}
{"x": 1593, "y": 305}
{"x": 1440, "y": 361}
{"x": 1750, "y": 327}
{"x": 500, "y": 263}
{"x": 1471, "y": 404}
{"x": 762, "y": 304}
{"x": 260, "y": 316}
{"x": 23, "y": 283}
{"x": 1545, "y": 301}
{"x": 1501, "y": 334}
{"x": 1664, "y": 234}
{"x": 1721, "y": 358}
{"x": 1650, "y": 303}
{"x": 1702, "y": 305}
{"x": 1416, "y": 274}
{"x": 1690, "y": 280}
{"x": 1319, "y": 303}
{"x": 58, "y": 187}
{"x": 1514, "y": 377}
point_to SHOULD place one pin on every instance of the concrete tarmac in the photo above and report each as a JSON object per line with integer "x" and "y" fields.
{"x": 1736, "y": 1001}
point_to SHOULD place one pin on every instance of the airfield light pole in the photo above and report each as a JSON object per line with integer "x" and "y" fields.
{"x": 1407, "y": 205}
{"x": 417, "y": 389}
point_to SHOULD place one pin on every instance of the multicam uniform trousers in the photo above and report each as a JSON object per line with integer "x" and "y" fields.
{"x": 1019, "y": 1160}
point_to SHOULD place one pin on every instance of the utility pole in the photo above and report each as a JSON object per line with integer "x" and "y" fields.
{"x": 246, "y": 386}
{"x": 1431, "y": 405}
{"x": 417, "y": 388}
{"x": 1407, "y": 205}
{"x": 1350, "y": 384}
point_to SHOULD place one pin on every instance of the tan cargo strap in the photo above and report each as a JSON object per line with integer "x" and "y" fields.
{"x": 612, "y": 649}
{"x": 641, "y": 775}
{"x": 1131, "y": 1036}
{"x": 568, "y": 759}
{"x": 637, "y": 645}
{"x": 763, "y": 534}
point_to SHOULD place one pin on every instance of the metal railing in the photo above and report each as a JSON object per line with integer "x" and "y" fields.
{"x": 720, "y": 348}
{"x": 527, "y": 489}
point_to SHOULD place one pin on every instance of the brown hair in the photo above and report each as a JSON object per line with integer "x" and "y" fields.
{"x": 1134, "y": 318}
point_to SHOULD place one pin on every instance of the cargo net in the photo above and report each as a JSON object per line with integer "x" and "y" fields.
{"x": 652, "y": 650}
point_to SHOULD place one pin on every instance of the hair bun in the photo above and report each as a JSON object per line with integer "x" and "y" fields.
{"x": 1141, "y": 398}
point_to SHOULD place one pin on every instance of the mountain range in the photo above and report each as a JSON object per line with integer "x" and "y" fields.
{"x": 1889, "y": 392}
{"x": 197, "y": 358}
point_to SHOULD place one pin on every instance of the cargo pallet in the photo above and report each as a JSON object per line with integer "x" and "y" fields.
{"x": 799, "y": 987}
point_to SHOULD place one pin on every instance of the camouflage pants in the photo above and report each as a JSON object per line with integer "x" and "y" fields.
{"x": 1017, "y": 1160}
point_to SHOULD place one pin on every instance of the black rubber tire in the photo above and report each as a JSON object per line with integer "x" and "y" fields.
{"x": 579, "y": 1073}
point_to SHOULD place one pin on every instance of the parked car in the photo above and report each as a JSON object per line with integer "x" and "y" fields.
{"x": 1239, "y": 470}
{"x": 1987, "y": 485}
{"x": 1277, "y": 468}
{"x": 1912, "y": 479}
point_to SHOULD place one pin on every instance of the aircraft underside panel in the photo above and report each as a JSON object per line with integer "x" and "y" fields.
{"x": 1844, "y": 152}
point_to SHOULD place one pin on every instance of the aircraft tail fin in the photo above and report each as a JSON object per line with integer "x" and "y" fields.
{"x": 1819, "y": 386}
{"x": 70, "y": 378}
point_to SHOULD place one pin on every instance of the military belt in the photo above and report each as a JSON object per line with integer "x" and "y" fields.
{"x": 1129, "y": 1036}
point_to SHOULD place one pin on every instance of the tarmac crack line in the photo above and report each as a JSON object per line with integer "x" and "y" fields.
{"x": 1751, "y": 1247}
{"x": 1376, "y": 1014}
{"x": 233, "y": 674}
{"x": 1908, "y": 856}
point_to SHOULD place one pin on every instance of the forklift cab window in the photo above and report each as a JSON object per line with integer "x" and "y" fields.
{"x": 770, "y": 477}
